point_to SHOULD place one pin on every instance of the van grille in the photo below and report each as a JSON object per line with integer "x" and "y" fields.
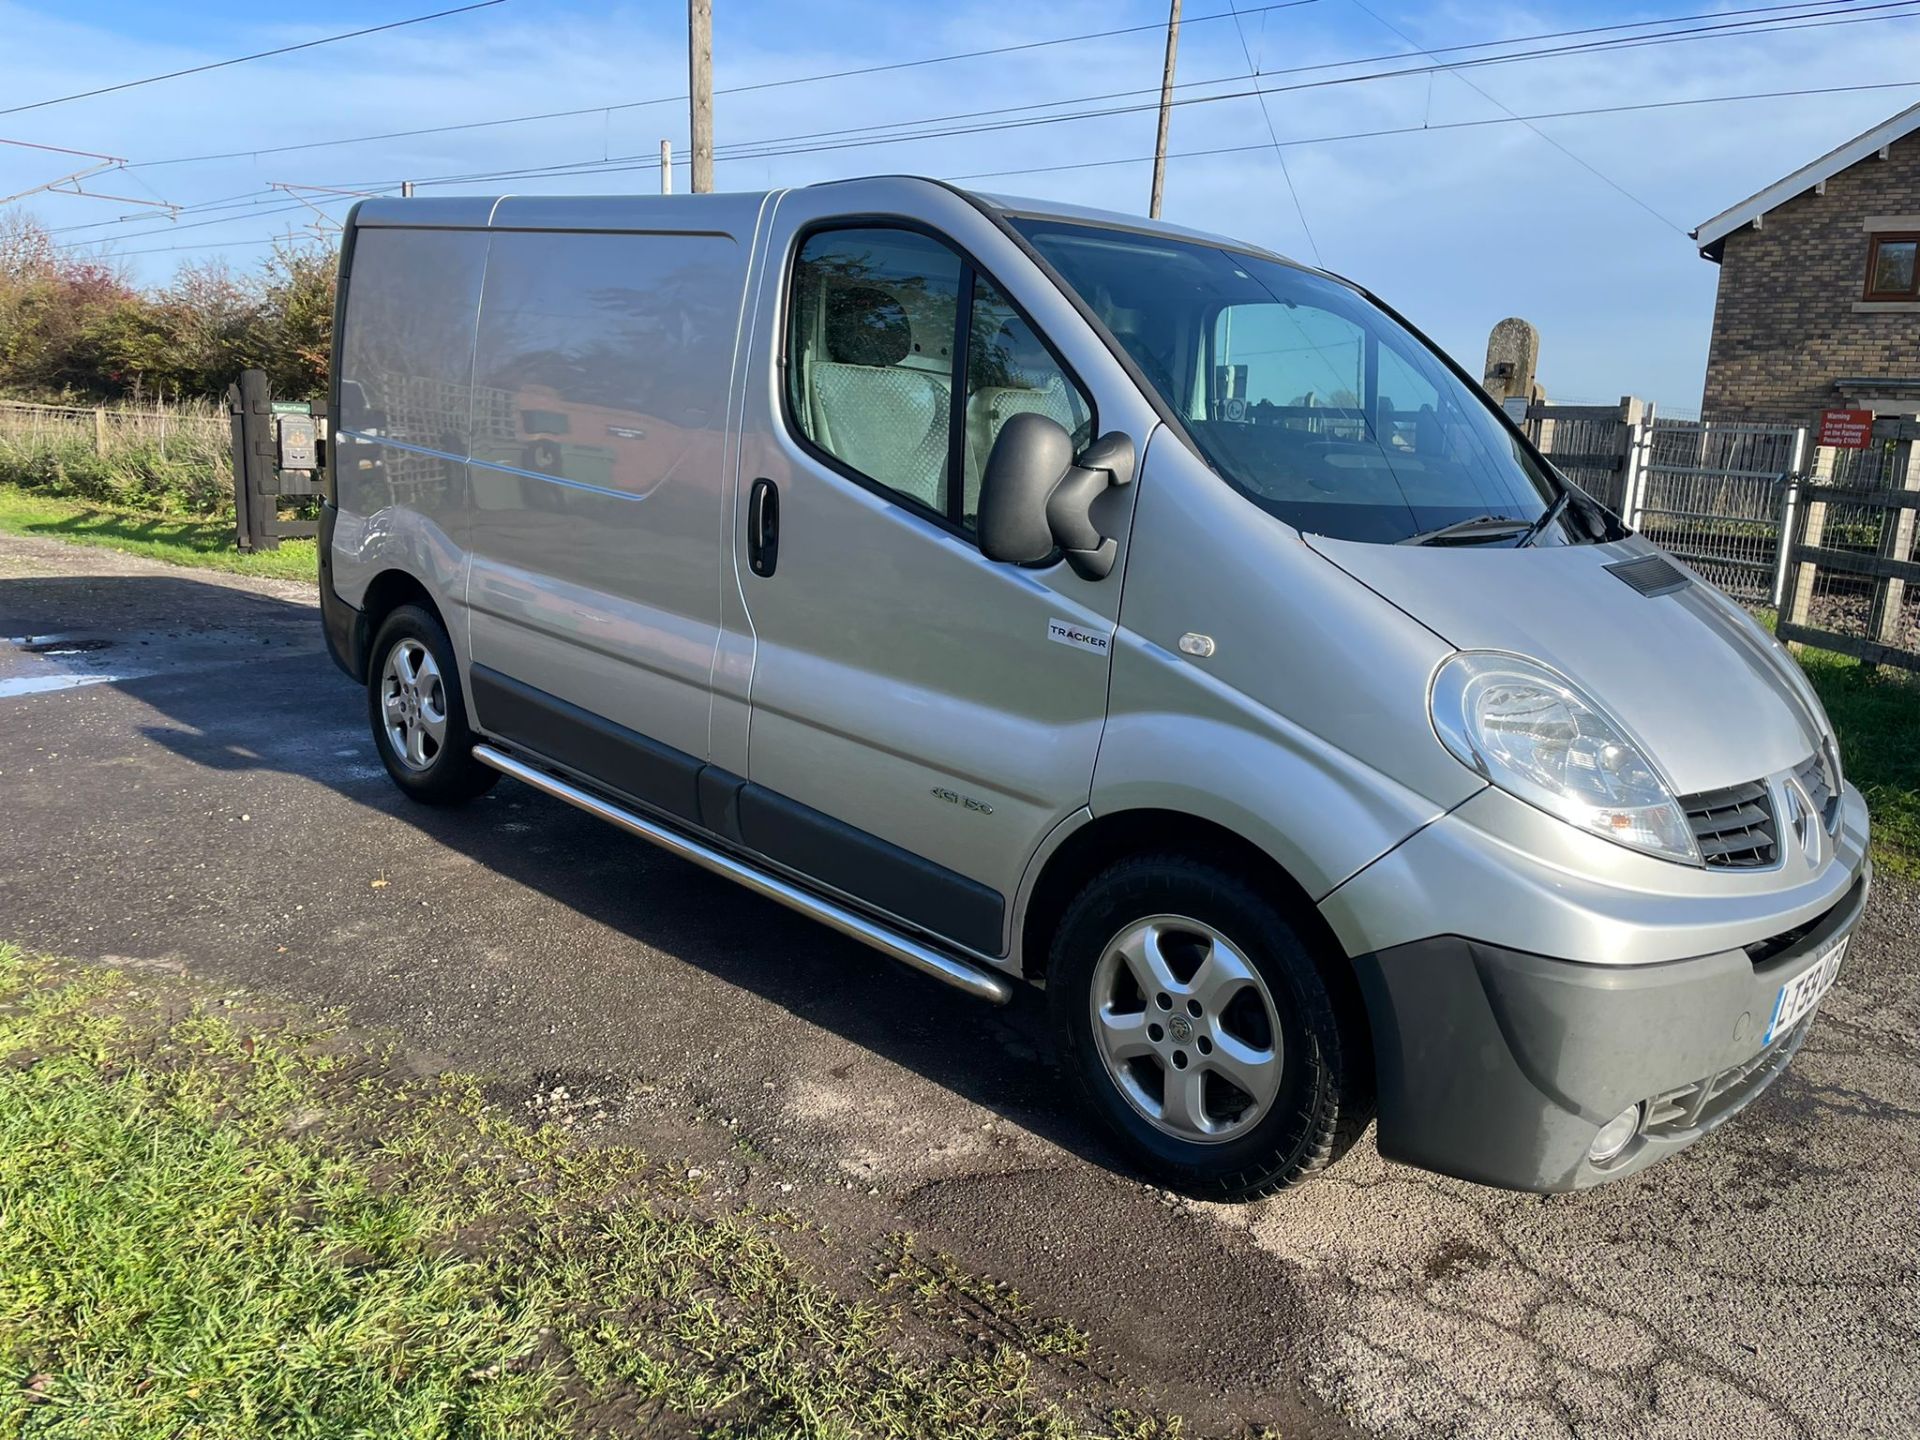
{"x": 1812, "y": 774}
{"x": 1733, "y": 827}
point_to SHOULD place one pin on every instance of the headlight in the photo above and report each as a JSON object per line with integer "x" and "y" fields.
{"x": 1533, "y": 734}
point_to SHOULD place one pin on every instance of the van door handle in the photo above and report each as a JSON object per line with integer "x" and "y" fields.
{"x": 763, "y": 527}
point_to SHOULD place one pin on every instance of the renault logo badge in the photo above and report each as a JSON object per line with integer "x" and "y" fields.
{"x": 1803, "y": 819}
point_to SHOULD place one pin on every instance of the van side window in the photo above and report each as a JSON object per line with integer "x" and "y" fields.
{"x": 871, "y": 331}
{"x": 1011, "y": 372}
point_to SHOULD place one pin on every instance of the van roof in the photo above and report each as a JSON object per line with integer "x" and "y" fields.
{"x": 724, "y": 210}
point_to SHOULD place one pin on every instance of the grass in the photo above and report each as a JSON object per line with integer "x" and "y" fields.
{"x": 177, "y": 540}
{"x": 1877, "y": 718}
{"x": 215, "y": 1223}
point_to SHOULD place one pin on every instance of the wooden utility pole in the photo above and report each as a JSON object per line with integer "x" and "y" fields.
{"x": 1166, "y": 111}
{"x": 700, "y": 91}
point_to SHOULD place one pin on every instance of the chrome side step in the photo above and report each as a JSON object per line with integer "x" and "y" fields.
{"x": 961, "y": 974}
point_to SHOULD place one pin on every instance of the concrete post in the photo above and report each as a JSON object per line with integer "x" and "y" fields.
{"x": 1513, "y": 355}
{"x": 1636, "y": 440}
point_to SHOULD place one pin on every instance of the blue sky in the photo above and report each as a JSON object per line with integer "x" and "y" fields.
{"x": 1456, "y": 224}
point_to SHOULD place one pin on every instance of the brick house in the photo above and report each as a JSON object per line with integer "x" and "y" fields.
{"x": 1819, "y": 295}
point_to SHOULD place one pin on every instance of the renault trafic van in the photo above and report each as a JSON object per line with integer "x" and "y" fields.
{"x": 1038, "y": 594}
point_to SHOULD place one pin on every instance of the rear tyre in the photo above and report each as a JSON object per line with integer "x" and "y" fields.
{"x": 418, "y": 714}
{"x": 1203, "y": 1034}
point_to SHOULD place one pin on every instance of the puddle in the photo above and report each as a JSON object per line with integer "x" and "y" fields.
{"x": 38, "y": 684}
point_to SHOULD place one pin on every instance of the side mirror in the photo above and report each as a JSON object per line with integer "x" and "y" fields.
{"x": 1036, "y": 497}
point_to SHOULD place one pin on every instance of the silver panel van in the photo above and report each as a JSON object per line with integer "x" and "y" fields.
{"x": 1046, "y": 595}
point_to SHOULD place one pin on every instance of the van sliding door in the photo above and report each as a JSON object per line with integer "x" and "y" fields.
{"x": 601, "y": 375}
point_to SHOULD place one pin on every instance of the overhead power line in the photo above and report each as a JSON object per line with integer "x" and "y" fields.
{"x": 251, "y": 200}
{"x": 1810, "y": 6}
{"x": 889, "y": 132}
{"x": 1226, "y": 149}
{"x": 1274, "y": 135}
{"x": 1586, "y": 165}
{"x": 1448, "y": 125}
{"x": 772, "y": 147}
{"x": 1264, "y": 145}
{"x": 779, "y": 146}
{"x": 725, "y": 90}
{"x": 244, "y": 59}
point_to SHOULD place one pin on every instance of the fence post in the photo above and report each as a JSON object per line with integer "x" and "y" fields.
{"x": 1896, "y": 542}
{"x": 254, "y": 505}
{"x": 100, "y": 432}
{"x": 1789, "y": 505}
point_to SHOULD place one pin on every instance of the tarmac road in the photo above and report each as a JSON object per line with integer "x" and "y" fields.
{"x": 191, "y": 784}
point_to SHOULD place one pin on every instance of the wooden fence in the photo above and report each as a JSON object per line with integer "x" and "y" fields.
{"x": 192, "y": 430}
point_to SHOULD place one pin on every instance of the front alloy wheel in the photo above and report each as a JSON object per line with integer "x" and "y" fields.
{"x": 1187, "y": 1029}
{"x": 1212, "y": 1030}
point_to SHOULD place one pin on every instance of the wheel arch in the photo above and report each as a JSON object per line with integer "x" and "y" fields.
{"x": 1107, "y": 839}
{"x": 386, "y": 593}
{"x": 1120, "y": 836}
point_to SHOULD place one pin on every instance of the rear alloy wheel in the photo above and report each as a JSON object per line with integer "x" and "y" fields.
{"x": 413, "y": 704}
{"x": 418, "y": 715}
{"x": 1203, "y": 1032}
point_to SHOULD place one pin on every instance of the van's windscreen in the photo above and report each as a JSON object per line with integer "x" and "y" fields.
{"x": 1300, "y": 392}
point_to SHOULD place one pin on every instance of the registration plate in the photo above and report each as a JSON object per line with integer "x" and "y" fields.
{"x": 1804, "y": 991}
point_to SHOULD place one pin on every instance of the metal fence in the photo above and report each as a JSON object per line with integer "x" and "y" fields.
{"x": 1720, "y": 497}
{"x": 1853, "y": 571}
{"x": 1717, "y": 495}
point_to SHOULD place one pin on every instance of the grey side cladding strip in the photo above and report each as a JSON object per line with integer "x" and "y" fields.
{"x": 807, "y": 841}
{"x": 621, "y": 759}
{"x": 882, "y": 874}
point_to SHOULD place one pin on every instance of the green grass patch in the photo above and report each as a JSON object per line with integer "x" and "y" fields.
{"x": 1877, "y": 718}
{"x": 219, "y": 1224}
{"x": 190, "y": 540}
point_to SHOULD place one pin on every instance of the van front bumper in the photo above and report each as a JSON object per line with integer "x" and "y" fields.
{"x": 1499, "y": 1064}
{"x": 1501, "y": 1067}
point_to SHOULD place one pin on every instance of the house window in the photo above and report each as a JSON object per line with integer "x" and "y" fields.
{"x": 1893, "y": 266}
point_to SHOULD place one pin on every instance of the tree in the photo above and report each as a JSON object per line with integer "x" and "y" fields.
{"x": 295, "y": 336}
{"x": 72, "y": 324}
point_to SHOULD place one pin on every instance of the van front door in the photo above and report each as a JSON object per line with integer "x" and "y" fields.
{"x": 920, "y": 717}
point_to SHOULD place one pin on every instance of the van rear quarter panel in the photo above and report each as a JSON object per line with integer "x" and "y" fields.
{"x": 401, "y": 446}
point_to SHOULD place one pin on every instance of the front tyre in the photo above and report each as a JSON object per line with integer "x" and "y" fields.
{"x": 1202, "y": 1032}
{"x": 418, "y": 714}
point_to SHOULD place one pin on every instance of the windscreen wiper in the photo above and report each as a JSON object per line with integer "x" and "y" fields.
{"x": 1481, "y": 527}
{"x": 1552, "y": 513}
